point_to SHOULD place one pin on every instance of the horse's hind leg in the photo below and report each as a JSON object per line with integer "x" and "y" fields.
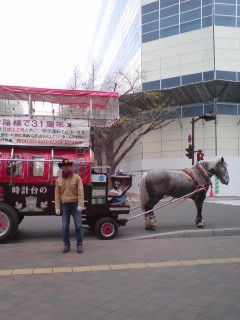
{"x": 150, "y": 218}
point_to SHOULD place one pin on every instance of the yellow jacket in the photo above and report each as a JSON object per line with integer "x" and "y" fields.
{"x": 69, "y": 189}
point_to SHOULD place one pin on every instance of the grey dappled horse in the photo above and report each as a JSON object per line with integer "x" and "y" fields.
{"x": 155, "y": 185}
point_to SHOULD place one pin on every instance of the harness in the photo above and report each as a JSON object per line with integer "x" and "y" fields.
{"x": 193, "y": 177}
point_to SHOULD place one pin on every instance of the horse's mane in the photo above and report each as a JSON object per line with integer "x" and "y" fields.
{"x": 212, "y": 164}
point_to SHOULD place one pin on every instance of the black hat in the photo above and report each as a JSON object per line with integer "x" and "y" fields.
{"x": 65, "y": 162}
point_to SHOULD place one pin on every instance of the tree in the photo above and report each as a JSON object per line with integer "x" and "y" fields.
{"x": 140, "y": 113}
{"x": 75, "y": 82}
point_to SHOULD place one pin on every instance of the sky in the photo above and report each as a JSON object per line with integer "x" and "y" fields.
{"x": 43, "y": 40}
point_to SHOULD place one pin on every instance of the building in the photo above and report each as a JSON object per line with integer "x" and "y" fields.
{"x": 189, "y": 49}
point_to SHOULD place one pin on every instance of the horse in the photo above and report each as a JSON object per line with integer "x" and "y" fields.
{"x": 155, "y": 185}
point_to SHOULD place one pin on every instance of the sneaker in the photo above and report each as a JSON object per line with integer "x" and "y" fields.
{"x": 66, "y": 249}
{"x": 79, "y": 249}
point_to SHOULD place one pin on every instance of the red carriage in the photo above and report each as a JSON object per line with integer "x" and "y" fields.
{"x": 38, "y": 128}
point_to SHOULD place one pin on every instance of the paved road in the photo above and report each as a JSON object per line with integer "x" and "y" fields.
{"x": 195, "y": 278}
{"x": 219, "y": 214}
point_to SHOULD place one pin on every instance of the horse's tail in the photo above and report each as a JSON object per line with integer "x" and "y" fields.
{"x": 143, "y": 193}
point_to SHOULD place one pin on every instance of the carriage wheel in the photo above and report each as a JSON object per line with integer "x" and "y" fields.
{"x": 8, "y": 223}
{"x": 106, "y": 228}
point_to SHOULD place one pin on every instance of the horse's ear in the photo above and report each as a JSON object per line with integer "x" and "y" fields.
{"x": 222, "y": 160}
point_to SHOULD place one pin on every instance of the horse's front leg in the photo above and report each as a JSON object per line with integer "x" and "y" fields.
{"x": 199, "y": 204}
{"x": 150, "y": 218}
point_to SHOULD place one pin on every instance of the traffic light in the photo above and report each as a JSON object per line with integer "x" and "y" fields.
{"x": 200, "y": 155}
{"x": 189, "y": 150}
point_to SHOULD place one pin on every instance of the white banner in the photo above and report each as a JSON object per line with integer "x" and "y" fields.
{"x": 45, "y": 132}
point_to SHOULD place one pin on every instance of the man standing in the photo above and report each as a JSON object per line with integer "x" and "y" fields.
{"x": 69, "y": 200}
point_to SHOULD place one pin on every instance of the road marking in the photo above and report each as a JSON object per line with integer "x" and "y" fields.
{"x": 125, "y": 266}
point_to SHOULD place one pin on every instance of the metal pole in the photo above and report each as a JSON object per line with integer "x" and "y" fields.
{"x": 192, "y": 141}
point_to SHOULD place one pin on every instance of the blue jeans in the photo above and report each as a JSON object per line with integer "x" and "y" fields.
{"x": 69, "y": 209}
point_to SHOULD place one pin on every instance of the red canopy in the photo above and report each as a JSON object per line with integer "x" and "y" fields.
{"x": 62, "y": 96}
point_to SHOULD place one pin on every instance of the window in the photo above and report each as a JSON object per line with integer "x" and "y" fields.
{"x": 150, "y": 17}
{"x": 151, "y": 85}
{"x": 226, "y": 1}
{"x": 191, "y": 78}
{"x": 167, "y": 32}
{"x": 227, "y": 109}
{"x": 190, "y": 15}
{"x": 167, "y": 3}
{"x": 189, "y": 5}
{"x": 167, "y": 22}
{"x": 226, "y": 75}
{"x": 170, "y": 83}
{"x": 37, "y": 167}
{"x": 150, "y": 7}
{"x": 170, "y": 11}
{"x": 208, "y": 75}
{"x": 225, "y": 10}
{"x": 205, "y": 2}
{"x": 14, "y": 167}
{"x": 207, "y": 22}
{"x": 189, "y": 26}
{"x": 225, "y": 21}
{"x": 152, "y": 26}
{"x": 150, "y": 36}
{"x": 191, "y": 111}
{"x": 207, "y": 11}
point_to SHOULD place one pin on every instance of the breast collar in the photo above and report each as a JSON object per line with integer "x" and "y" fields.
{"x": 204, "y": 173}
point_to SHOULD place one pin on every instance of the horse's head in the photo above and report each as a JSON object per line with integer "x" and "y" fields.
{"x": 220, "y": 171}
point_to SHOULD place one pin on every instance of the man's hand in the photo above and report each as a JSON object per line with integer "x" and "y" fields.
{"x": 79, "y": 208}
{"x": 57, "y": 212}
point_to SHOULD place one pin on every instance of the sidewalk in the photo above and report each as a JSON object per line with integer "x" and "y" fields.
{"x": 176, "y": 278}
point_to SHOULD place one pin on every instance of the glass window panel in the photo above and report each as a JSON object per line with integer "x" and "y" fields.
{"x": 170, "y": 11}
{"x": 190, "y": 15}
{"x": 238, "y": 22}
{"x": 167, "y": 32}
{"x": 208, "y": 75}
{"x": 37, "y": 167}
{"x": 167, "y": 3}
{"x": 192, "y": 111}
{"x": 238, "y": 76}
{"x": 208, "y": 108}
{"x": 207, "y": 22}
{"x": 150, "y": 36}
{"x": 167, "y": 22}
{"x": 189, "y": 26}
{"x": 15, "y": 167}
{"x": 205, "y": 2}
{"x": 225, "y": 21}
{"x": 227, "y": 109}
{"x": 238, "y": 10}
{"x": 170, "y": 83}
{"x": 206, "y": 11}
{"x": 150, "y": 26}
{"x": 226, "y": 75}
{"x": 189, "y": 5}
{"x": 225, "y": 10}
{"x": 150, "y": 7}
{"x": 191, "y": 78}
{"x": 238, "y": 1}
{"x": 226, "y": 1}
{"x": 152, "y": 85}
{"x": 150, "y": 17}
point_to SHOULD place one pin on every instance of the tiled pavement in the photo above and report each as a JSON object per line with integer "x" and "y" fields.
{"x": 157, "y": 279}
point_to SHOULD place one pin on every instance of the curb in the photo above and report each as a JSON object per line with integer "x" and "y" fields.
{"x": 191, "y": 234}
